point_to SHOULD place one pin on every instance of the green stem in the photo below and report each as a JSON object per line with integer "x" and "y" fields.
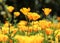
{"x": 45, "y": 40}
{"x": 15, "y": 21}
{"x": 27, "y": 23}
{"x": 26, "y": 18}
{"x": 8, "y": 14}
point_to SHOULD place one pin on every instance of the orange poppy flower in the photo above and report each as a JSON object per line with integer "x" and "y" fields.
{"x": 49, "y": 31}
{"x": 47, "y": 11}
{"x": 11, "y": 41}
{"x": 25, "y": 10}
{"x": 33, "y": 16}
{"x": 10, "y": 8}
{"x": 16, "y": 14}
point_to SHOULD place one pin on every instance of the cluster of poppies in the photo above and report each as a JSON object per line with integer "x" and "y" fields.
{"x": 32, "y": 30}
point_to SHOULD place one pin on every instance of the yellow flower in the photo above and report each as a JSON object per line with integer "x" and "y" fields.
{"x": 6, "y": 24}
{"x": 16, "y": 14}
{"x": 22, "y": 22}
{"x": 56, "y": 25}
{"x": 35, "y": 28}
{"x": 40, "y": 34}
{"x": 47, "y": 11}
{"x": 57, "y": 33}
{"x": 25, "y": 10}
{"x": 20, "y": 38}
{"x": 10, "y": 8}
{"x": 34, "y": 23}
{"x": 33, "y": 16}
{"x": 3, "y": 37}
{"x": 23, "y": 28}
{"x": 5, "y": 30}
{"x": 30, "y": 15}
{"x": 14, "y": 31}
{"x": 38, "y": 39}
{"x": 44, "y": 24}
{"x": 29, "y": 39}
{"x": 49, "y": 31}
{"x": 30, "y": 28}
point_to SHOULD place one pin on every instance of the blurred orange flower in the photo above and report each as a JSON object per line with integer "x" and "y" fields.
{"x": 3, "y": 37}
{"x": 58, "y": 18}
{"x": 10, "y": 8}
{"x": 47, "y": 11}
{"x": 29, "y": 39}
{"x": 22, "y": 22}
{"x": 44, "y": 24}
{"x": 11, "y": 41}
{"x": 56, "y": 25}
{"x": 33, "y": 16}
{"x": 23, "y": 28}
{"x": 25, "y": 10}
{"x": 49, "y": 31}
{"x": 16, "y": 14}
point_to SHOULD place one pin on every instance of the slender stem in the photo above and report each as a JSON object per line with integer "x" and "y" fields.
{"x": 26, "y": 18}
